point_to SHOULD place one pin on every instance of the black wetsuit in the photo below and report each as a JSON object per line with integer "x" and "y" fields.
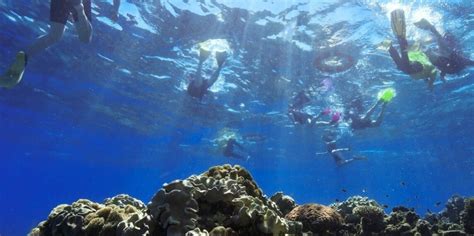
{"x": 60, "y": 10}
{"x": 295, "y": 109}
{"x": 229, "y": 149}
{"x": 300, "y": 117}
{"x": 337, "y": 156}
{"x": 452, "y": 64}
{"x": 357, "y": 122}
{"x": 197, "y": 91}
{"x": 402, "y": 61}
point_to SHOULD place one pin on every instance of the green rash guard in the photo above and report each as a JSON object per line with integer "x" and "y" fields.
{"x": 429, "y": 70}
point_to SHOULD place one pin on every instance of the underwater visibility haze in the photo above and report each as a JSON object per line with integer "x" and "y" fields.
{"x": 167, "y": 89}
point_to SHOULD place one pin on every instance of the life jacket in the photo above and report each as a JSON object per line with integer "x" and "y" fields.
{"x": 429, "y": 70}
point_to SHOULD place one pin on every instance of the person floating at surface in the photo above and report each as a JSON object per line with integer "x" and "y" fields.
{"x": 198, "y": 86}
{"x": 329, "y": 139}
{"x": 60, "y": 11}
{"x": 412, "y": 62}
{"x": 365, "y": 121}
{"x": 231, "y": 152}
{"x": 448, "y": 58}
{"x": 295, "y": 109}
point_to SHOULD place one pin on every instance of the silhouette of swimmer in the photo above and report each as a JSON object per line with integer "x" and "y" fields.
{"x": 198, "y": 87}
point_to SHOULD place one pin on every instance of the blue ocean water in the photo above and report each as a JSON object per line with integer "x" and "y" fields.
{"x": 95, "y": 120}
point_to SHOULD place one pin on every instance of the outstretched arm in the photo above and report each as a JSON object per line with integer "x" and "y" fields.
{"x": 371, "y": 110}
{"x": 380, "y": 117}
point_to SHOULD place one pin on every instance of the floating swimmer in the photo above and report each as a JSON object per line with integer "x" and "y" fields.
{"x": 411, "y": 61}
{"x": 60, "y": 12}
{"x": 448, "y": 58}
{"x": 198, "y": 87}
{"x": 365, "y": 121}
{"x": 230, "y": 146}
{"x": 330, "y": 138}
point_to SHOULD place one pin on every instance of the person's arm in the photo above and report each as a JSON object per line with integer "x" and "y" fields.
{"x": 379, "y": 119}
{"x": 371, "y": 110}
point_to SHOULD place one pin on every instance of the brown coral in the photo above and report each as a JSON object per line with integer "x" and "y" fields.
{"x": 316, "y": 218}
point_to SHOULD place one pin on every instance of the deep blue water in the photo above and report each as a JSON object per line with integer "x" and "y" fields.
{"x": 92, "y": 121}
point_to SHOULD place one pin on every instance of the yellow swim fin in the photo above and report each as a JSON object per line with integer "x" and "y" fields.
{"x": 398, "y": 23}
{"x": 15, "y": 72}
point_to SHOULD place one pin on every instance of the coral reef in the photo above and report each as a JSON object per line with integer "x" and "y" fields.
{"x": 284, "y": 202}
{"x": 223, "y": 196}
{"x": 226, "y": 201}
{"x": 85, "y": 217}
{"x": 468, "y": 216}
{"x": 316, "y": 218}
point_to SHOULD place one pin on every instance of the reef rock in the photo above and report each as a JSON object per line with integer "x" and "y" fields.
{"x": 346, "y": 208}
{"x": 401, "y": 221}
{"x": 371, "y": 219}
{"x": 316, "y": 218}
{"x": 84, "y": 217}
{"x": 285, "y": 203}
{"x": 226, "y": 201}
{"x": 452, "y": 212}
{"x": 223, "y": 196}
{"x": 467, "y": 216}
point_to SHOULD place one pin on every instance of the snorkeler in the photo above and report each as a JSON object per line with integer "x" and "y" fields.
{"x": 231, "y": 152}
{"x": 295, "y": 109}
{"x": 329, "y": 139}
{"x": 198, "y": 86}
{"x": 448, "y": 58}
{"x": 412, "y": 62}
{"x": 60, "y": 11}
{"x": 365, "y": 121}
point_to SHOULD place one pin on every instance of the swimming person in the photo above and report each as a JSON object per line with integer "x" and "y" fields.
{"x": 60, "y": 11}
{"x": 329, "y": 139}
{"x": 198, "y": 86}
{"x": 295, "y": 109}
{"x": 413, "y": 62}
{"x": 230, "y": 150}
{"x": 448, "y": 58}
{"x": 365, "y": 121}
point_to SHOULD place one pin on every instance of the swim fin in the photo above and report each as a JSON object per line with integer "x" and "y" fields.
{"x": 15, "y": 72}
{"x": 386, "y": 95}
{"x": 203, "y": 54}
{"x": 424, "y": 24}
{"x": 398, "y": 23}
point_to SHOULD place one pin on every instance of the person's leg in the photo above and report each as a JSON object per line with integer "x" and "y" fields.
{"x": 395, "y": 56}
{"x": 55, "y": 34}
{"x": 342, "y": 162}
{"x": 203, "y": 55}
{"x": 341, "y": 150}
{"x": 405, "y": 61}
{"x": 220, "y": 57}
{"x": 82, "y": 20}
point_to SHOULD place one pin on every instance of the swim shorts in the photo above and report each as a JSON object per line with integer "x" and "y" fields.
{"x": 62, "y": 9}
